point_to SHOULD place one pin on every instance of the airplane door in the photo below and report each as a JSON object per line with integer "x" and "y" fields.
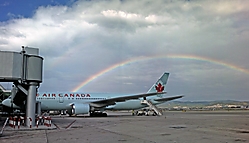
{"x": 61, "y": 99}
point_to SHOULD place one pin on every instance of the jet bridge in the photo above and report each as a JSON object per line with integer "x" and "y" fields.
{"x": 24, "y": 69}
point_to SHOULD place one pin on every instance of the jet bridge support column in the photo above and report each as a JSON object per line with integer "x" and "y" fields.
{"x": 31, "y": 102}
{"x": 38, "y": 108}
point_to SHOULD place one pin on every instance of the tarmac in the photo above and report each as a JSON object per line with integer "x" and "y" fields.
{"x": 172, "y": 127}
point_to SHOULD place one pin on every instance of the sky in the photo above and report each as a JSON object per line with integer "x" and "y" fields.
{"x": 124, "y": 46}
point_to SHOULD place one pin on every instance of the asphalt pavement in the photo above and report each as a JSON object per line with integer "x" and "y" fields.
{"x": 172, "y": 127}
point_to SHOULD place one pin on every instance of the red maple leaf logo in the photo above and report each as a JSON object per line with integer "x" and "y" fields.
{"x": 159, "y": 87}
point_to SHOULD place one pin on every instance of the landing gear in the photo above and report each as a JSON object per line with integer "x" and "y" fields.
{"x": 98, "y": 114}
{"x": 63, "y": 112}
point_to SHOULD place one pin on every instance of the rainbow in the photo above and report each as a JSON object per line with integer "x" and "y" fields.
{"x": 178, "y": 56}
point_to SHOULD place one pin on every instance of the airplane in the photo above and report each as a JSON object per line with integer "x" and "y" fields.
{"x": 95, "y": 104}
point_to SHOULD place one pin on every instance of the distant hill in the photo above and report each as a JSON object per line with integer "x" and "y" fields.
{"x": 202, "y": 103}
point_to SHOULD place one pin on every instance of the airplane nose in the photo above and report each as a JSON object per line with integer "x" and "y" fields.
{"x": 6, "y": 102}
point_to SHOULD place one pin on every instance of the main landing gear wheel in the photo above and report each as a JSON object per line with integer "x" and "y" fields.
{"x": 98, "y": 114}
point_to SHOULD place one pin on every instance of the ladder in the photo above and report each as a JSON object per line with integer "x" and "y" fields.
{"x": 149, "y": 103}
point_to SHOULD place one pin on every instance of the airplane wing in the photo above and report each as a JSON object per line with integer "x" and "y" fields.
{"x": 112, "y": 101}
{"x": 168, "y": 98}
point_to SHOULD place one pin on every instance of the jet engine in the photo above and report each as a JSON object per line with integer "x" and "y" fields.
{"x": 77, "y": 108}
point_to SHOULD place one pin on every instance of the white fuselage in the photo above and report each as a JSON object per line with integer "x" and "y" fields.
{"x": 62, "y": 101}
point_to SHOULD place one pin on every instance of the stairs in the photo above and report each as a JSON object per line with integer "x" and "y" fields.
{"x": 157, "y": 110}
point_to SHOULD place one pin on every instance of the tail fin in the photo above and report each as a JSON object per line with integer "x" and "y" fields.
{"x": 160, "y": 85}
